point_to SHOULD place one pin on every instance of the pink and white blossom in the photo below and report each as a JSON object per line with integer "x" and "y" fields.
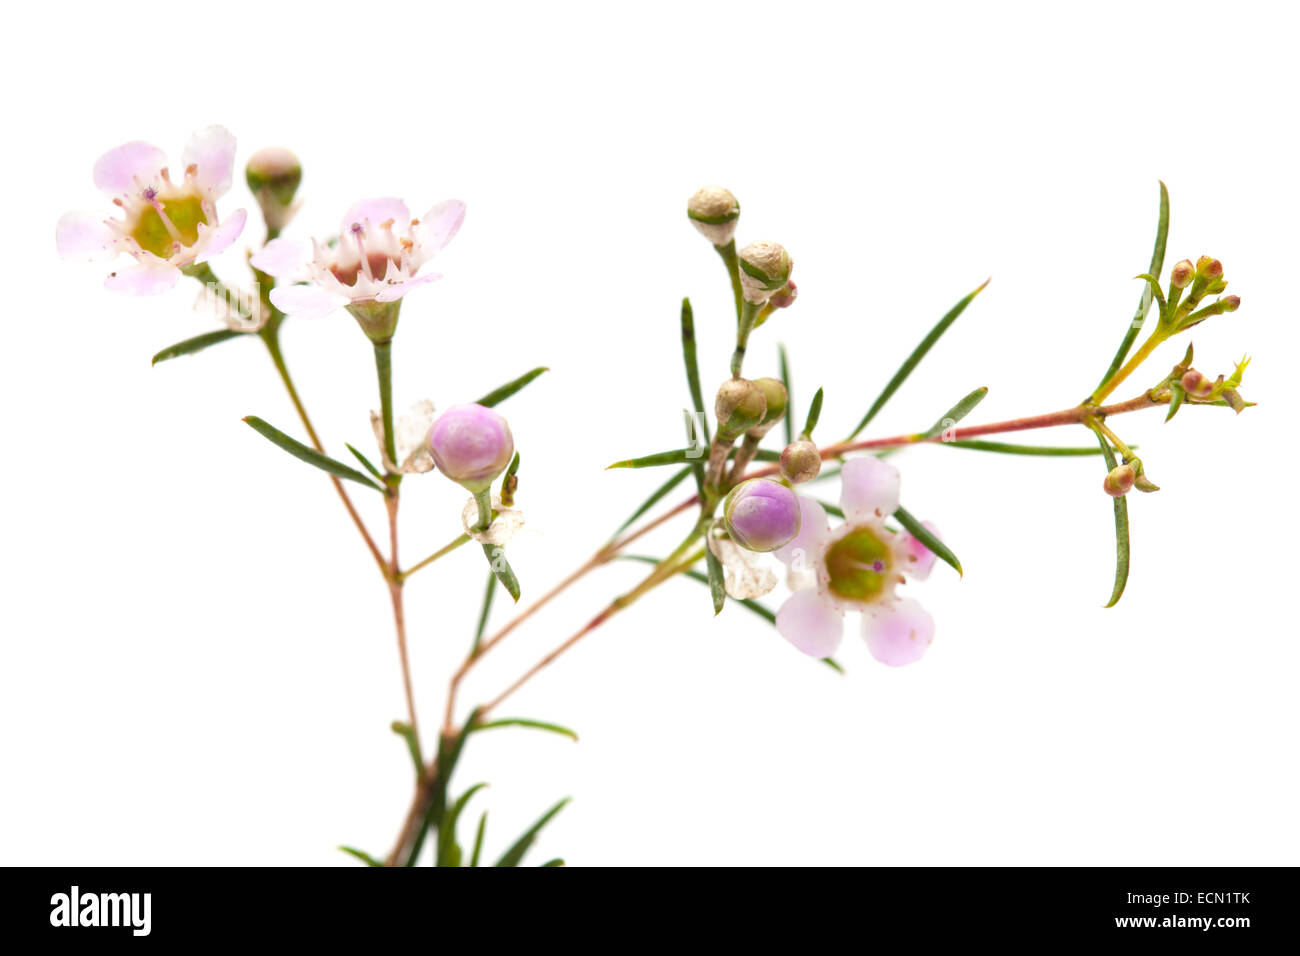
{"x": 165, "y": 225}
{"x": 377, "y": 257}
{"x": 856, "y": 568}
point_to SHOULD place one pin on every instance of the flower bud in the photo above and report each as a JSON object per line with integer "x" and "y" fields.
{"x": 764, "y": 269}
{"x": 1119, "y": 481}
{"x": 1182, "y": 274}
{"x": 471, "y": 445}
{"x": 800, "y": 462}
{"x": 1209, "y": 267}
{"x": 1196, "y": 385}
{"x": 1229, "y": 303}
{"x": 776, "y": 398}
{"x": 274, "y": 175}
{"x": 740, "y": 406}
{"x": 761, "y": 514}
{"x": 785, "y": 297}
{"x": 714, "y": 211}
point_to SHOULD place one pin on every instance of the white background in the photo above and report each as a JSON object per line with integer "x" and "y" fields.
{"x": 198, "y": 664}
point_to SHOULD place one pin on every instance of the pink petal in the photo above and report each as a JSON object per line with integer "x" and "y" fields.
{"x": 898, "y": 634}
{"x": 918, "y": 560}
{"x": 868, "y": 488}
{"x": 808, "y": 544}
{"x": 306, "y": 301}
{"x": 212, "y": 242}
{"x": 376, "y": 211}
{"x": 150, "y": 276}
{"x": 394, "y": 292}
{"x": 212, "y": 152}
{"x": 117, "y": 170}
{"x": 81, "y": 235}
{"x": 440, "y": 224}
{"x": 282, "y": 257}
{"x": 810, "y": 623}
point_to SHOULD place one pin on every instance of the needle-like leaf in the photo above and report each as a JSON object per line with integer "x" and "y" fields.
{"x": 1121, "y": 531}
{"x": 499, "y": 395}
{"x": 927, "y": 538}
{"x": 196, "y": 344}
{"x": 956, "y": 413}
{"x": 515, "y": 854}
{"x": 525, "y": 722}
{"x": 308, "y": 454}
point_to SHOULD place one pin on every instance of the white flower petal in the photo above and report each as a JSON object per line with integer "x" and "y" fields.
{"x": 306, "y": 301}
{"x": 150, "y": 276}
{"x": 440, "y": 224}
{"x": 504, "y": 526}
{"x": 282, "y": 257}
{"x": 80, "y": 235}
{"x": 117, "y": 170}
{"x": 811, "y": 624}
{"x": 216, "y": 240}
{"x": 898, "y": 634}
{"x": 376, "y": 212}
{"x": 394, "y": 292}
{"x": 211, "y": 151}
{"x": 868, "y": 489}
{"x": 808, "y": 544}
{"x": 744, "y": 576}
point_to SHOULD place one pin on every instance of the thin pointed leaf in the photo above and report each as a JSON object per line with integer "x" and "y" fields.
{"x": 526, "y": 722}
{"x": 784, "y": 360}
{"x": 558, "y": 861}
{"x": 914, "y": 359}
{"x": 308, "y": 454}
{"x": 682, "y": 456}
{"x": 1176, "y": 395}
{"x": 449, "y": 853}
{"x": 478, "y": 840}
{"x": 1008, "y": 448}
{"x": 496, "y": 556}
{"x": 833, "y": 664}
{"x": 403, "y": 730}
{"x": 956, "y": 413}
{"x": 499, "y": 395}
{"x": 1121, "y": 531}
{"x": 515, "y": 854}
{"x": 655, "y": 496}
{"x": 716, "y": 579}
{"x": 1144, "y": 304}
{"x": 693, "y": 368}
{"x": 196, "y": 344}
{"x": 449, "y": 750}
{"x": 364, "y": 461}
{"x": 483, "y": 614}
{"x": 361, "y": 855}
{"x": 814, "y": 415}
{"x": 927, "y": 538}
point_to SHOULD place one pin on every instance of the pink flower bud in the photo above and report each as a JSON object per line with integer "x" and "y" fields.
{"x": 471, "y": 445}
{"x": 1182, "y": 274}
{"x": 1119, "y": 481}
{"x": 761, "y": 514}
{"x": 1196, "y": 385}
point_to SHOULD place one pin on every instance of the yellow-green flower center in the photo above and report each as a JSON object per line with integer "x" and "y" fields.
{"x": 859, "y": 565}
{"x": 185, "y": 213}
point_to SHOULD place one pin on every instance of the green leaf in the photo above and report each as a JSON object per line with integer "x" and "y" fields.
{"x": 681, "y": 456}
{"x": 814, "y": 415}
{"x": 483, "y": 614}
{"x": 364, "y": 461}
{"x": 692, "y": 368}
{"x": 449, "y": 750}
{"x": 403, "y": 730}
{"x": 449, "y": 853}
{"x": 478, "y": 840}
{"x": 716, "y": 579}
{"x": 1176, "y": 395}
{"x": 1121, "y": 530}
{"x": 784, "y": 361}
{"x": 1144, "y": 304}
{"x": 833, "y": 664}
{"x": 558, "y": 861}
{"x": 515, "y": 854}
{"x": 927, "y": 538}
{"x": 956, "y": 413}
{"x": 361, "y": 855}
{"x": 525, "y": 722}
{"x": 655, "y": 496}
{"x": 308, "y": 454}
{"x": 914, "y": 359}
{"x": 505, "y": 391}
{"x": 196, "y": 344}
{"x": 496, "y": 556}
{"x": 1007, "y": 448}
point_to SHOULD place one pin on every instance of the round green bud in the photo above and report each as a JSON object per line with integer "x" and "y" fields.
{"x": 714, "y": 212}
{"x": 275, "y": 170}
{"x": 765, "y": 268}
{"x": 740, "y": 406}
{"x": 776, "y": 397}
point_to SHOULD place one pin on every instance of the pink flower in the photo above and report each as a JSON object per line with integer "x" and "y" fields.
{"x": 856, "y": 568}
{"x": 165, "y": 225}
{"x": 377, "y": 258}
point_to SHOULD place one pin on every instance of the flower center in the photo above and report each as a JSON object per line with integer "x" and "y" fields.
{"x": 859, "y": 565}
{"x": 378, "y": 268}
{"x": 183, "y": 215}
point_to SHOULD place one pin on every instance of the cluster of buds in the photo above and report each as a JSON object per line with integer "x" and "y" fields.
{"x": 1189, "y": 284}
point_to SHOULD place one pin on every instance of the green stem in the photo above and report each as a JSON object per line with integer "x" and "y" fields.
{"x": 441, "y": 552}
{"x": 484, "y": 501}
{"x": 384, "y": 371}
{"x": 748, "y": 314}
{"x": 728, "y": 253}
{"x": 1141, "y": 355}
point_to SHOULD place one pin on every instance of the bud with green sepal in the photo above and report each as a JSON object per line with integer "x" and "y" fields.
{"x": 800, "y": 462}
{"x": 714, "y": 212}
{"x": 765, "y": 269}
{"x": 740, "y": 405}
{"x": 776, "y": 399}
{"x": 273, "y": 176}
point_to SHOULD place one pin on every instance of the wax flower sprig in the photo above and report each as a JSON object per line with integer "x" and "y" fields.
{"x": 754, "y": 509}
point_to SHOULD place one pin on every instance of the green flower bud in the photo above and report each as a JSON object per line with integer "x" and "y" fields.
{"x": 765, "y": 268}
{"x": 740, "y": 406}
{"x": 800, "y": 462}
{"x": 777, "y": 398}
{"x": 274, "y": 175}
{"x": 714, "y": 212}
{"x": 1182, "y": 274}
